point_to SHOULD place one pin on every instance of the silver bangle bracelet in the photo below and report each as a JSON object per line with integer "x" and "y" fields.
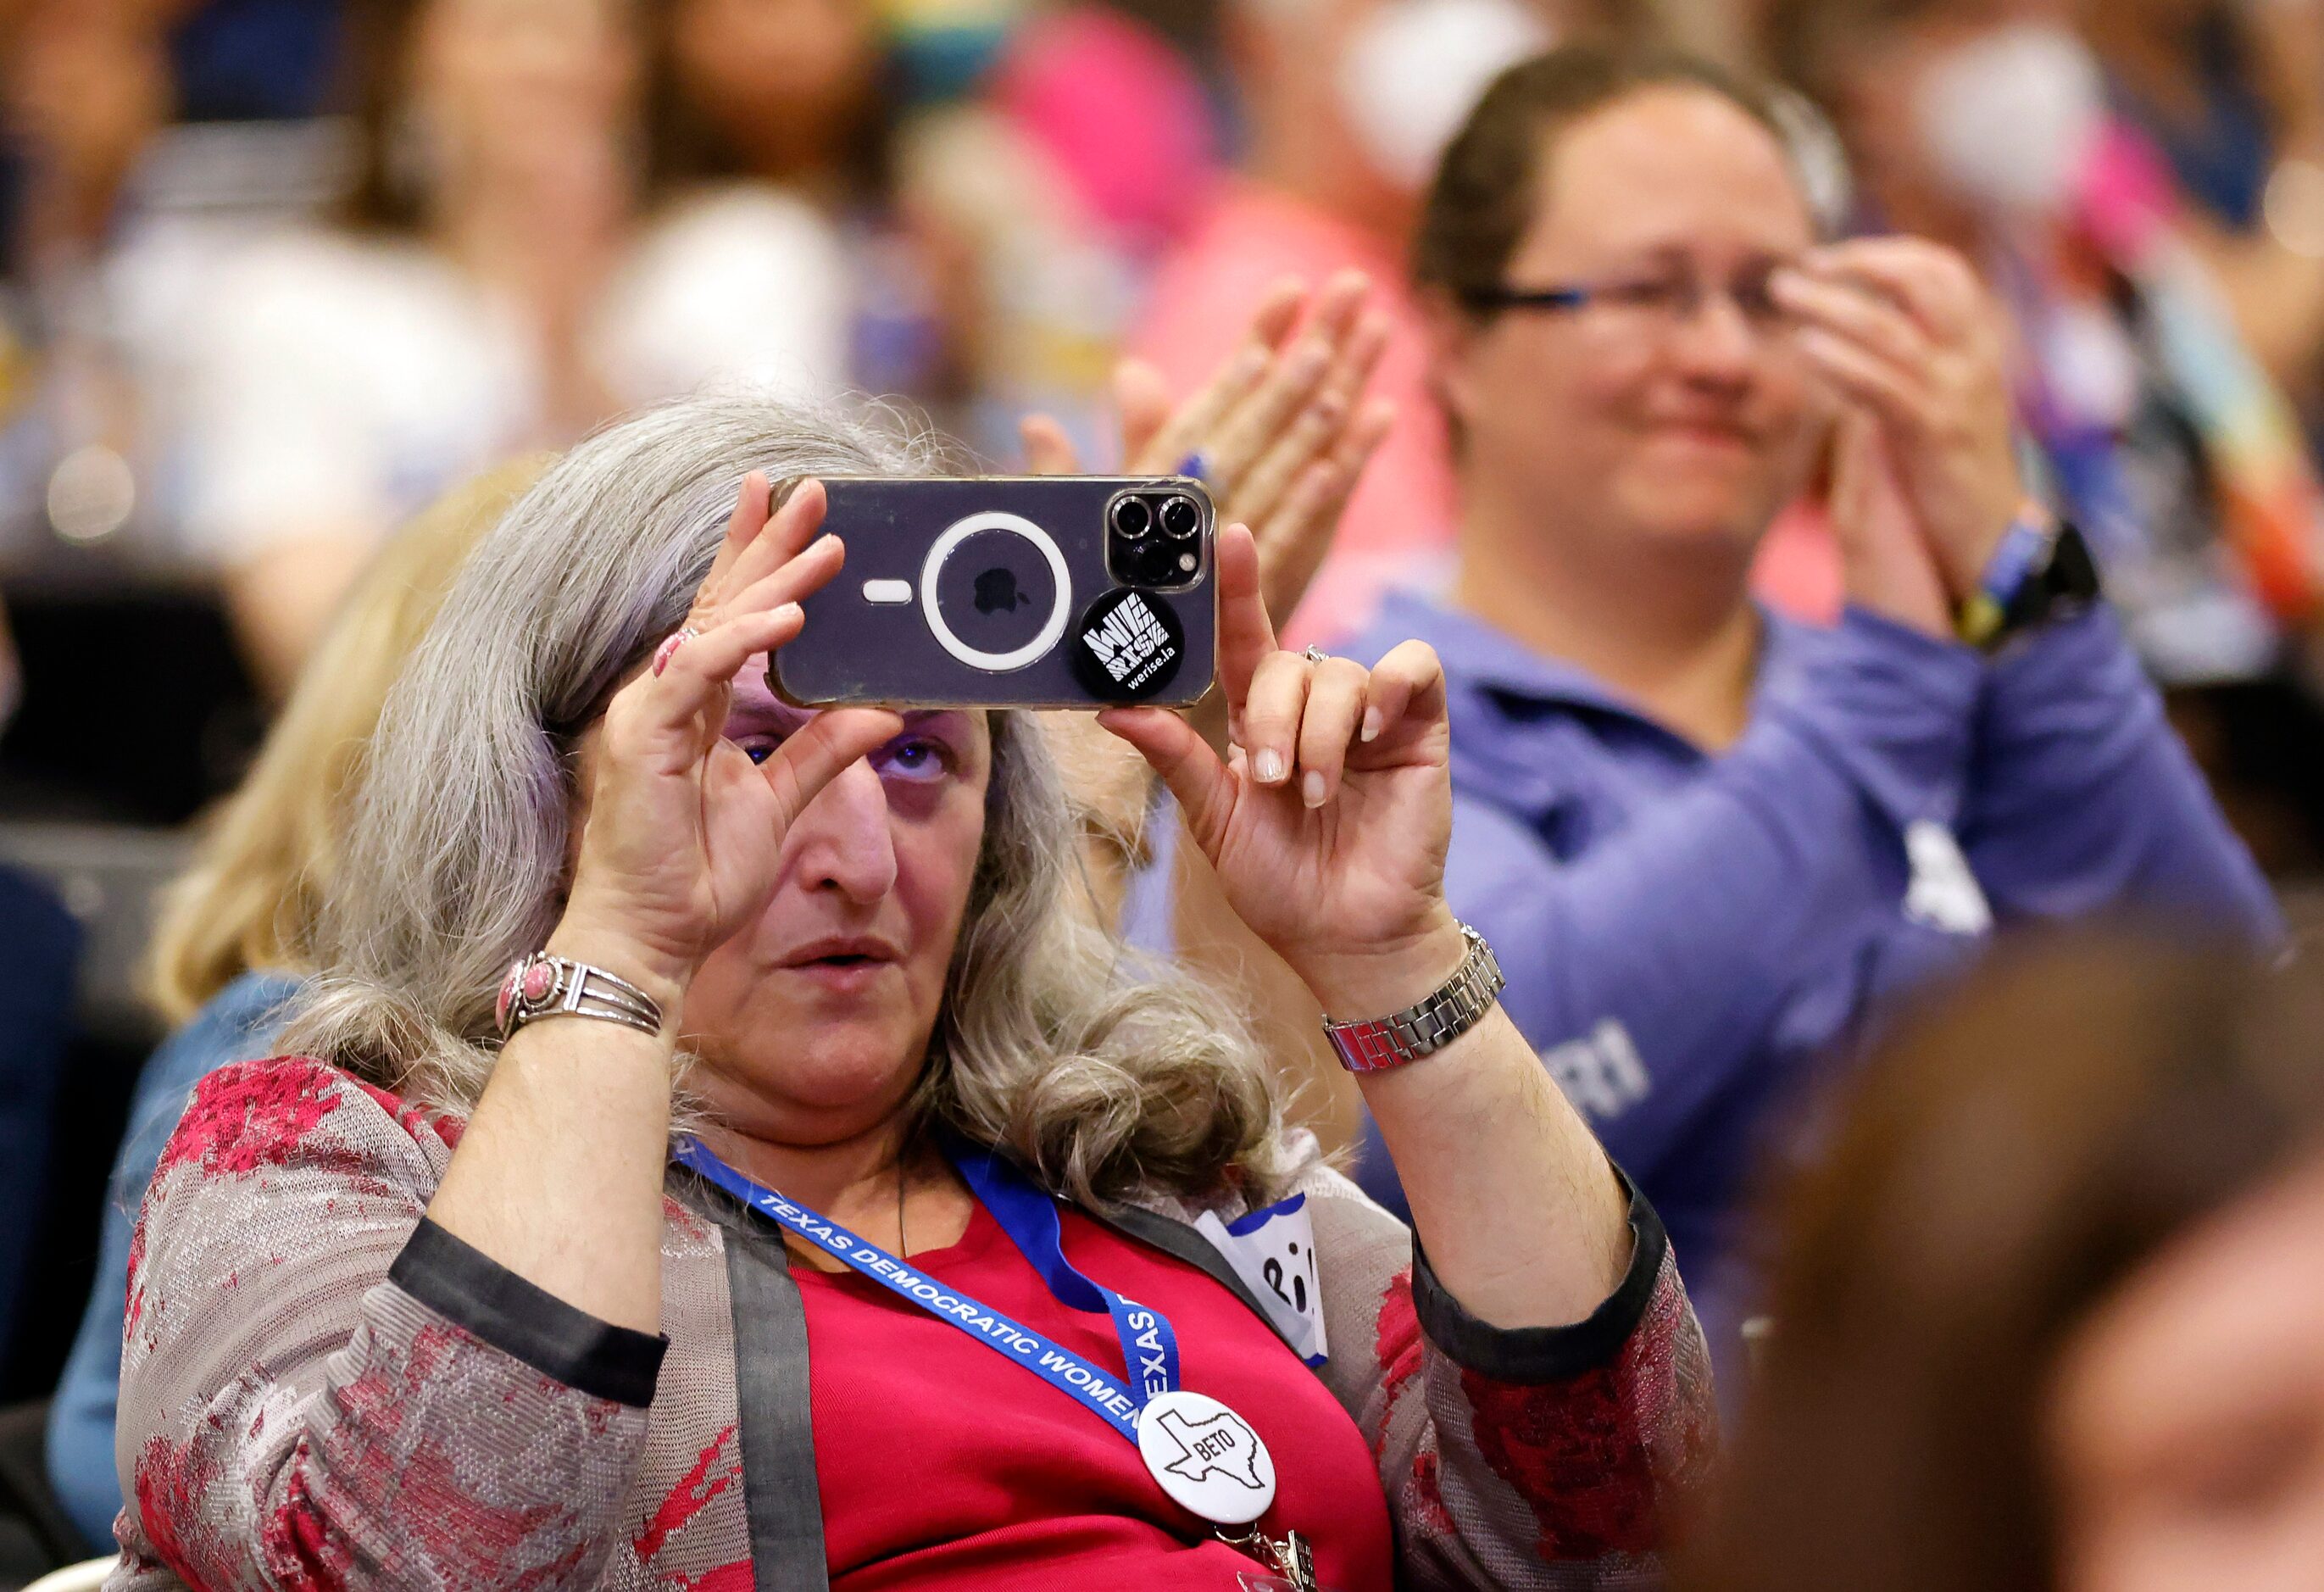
{"x": 1453, "y": 1008}
{"x": 543, "y": 986}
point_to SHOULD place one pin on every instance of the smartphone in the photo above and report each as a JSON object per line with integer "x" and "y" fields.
{"x": 1013, "y": 592}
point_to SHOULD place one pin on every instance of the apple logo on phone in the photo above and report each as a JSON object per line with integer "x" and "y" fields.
{"x": 996, "y": 591}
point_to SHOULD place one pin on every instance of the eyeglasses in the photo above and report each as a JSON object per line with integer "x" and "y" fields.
{"x": 1658, "y": 302}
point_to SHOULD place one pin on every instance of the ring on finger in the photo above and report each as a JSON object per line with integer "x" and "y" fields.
{"x": 1316, "y": 655}
{"x": 669, "y": 648}
{"x": 1197, "y": 465}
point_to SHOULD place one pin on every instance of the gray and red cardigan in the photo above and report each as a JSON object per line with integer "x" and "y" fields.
{"x": 321, "y": 1389}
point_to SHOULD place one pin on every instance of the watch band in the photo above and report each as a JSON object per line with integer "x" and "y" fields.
{"x": 543, "y": 986}
{"x": 1427, "y": 1026}
{"x": 2042, "y": 569}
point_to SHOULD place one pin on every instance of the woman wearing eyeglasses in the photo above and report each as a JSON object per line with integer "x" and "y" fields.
{"x": 1714, "y": 837}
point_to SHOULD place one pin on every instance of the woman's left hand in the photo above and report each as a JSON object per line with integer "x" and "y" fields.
{"x": 1329, "y": 821}
{"x": 1907, "y": 332}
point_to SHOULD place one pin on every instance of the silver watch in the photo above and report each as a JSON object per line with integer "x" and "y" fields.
{"x": 1428, "y": 1026}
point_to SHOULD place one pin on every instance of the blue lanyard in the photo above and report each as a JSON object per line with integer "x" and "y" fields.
{"x": 1149, "y": 1349}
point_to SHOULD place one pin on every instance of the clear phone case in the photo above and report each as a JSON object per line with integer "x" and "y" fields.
{"x": 1035, "y": 591}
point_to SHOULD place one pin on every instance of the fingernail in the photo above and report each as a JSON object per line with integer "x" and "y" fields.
{"x": 1371, "y": 732}
{"x": 1268, "y": 767}
{"x": 1311, "y": 788}
{"x": 789, "y": 612}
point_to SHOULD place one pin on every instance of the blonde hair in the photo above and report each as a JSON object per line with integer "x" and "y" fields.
{"x": 1107, "y": 1076}
{"x": 257, "y": 881}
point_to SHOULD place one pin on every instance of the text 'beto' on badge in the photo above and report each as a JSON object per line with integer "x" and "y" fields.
{"x": 1127, "y": 645}
{"x": 1207, "y": 1456}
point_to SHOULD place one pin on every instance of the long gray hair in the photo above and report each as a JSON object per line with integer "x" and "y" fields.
{"x": 1108, "y": 1076}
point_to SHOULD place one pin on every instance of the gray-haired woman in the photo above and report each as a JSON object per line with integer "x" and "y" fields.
{"x": 421, "y": 1312}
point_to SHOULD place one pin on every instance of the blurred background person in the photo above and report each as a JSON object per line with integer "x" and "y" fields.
{"x": 95, "y": 292}
{"x": 1731, "y": 838}
{"x": 2231, "y": 94}
{"x": 89, "y": 288}
{"x": 956, "y": 209}
{"x": 448, "y": 321}
{"x": 1087, "y": 151}
{"x": 1343, "y": 106}
{"x": 2149, "y": 344}
{"x": 483, "y": 294}
{"x": 235, "y": 934}
{"x": 122, "y": 197}
{"x": 775, "y": 126}
{"x": 2050, "y": 1312}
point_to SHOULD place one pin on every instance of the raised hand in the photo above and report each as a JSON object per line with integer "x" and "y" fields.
{"x": 1280, "y": 432}
{"x": 1328, "y": 822}
{"x": 1885, "y": 561}
{"x": 684, "y": 833}
{"x": 1907, "y": 333}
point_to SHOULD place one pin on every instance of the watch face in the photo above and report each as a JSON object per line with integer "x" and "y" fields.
{"x": 2073, "y": 572}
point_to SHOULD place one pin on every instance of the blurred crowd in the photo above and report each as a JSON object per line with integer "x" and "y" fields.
{"x": 276, "y": 275}
{"x": 277, "y": 271}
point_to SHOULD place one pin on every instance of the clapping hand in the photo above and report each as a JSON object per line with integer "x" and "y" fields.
{"x": 1281, "y": 433}
{"x": 1328, "y": 822}
{"x": 1915, "y": 348}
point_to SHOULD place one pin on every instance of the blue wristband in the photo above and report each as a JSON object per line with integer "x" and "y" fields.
{"x": 2025, "y": 549}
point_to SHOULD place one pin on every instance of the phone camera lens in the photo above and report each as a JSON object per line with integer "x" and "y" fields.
{"x": 1132, "y": 518}
{"x": 1180, "y": 518}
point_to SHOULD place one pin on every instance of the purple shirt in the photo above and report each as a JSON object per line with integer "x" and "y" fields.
{"x": 1686, "y": 935}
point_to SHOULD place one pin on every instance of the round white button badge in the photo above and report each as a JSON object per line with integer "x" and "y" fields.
{"x": 1060, "y": 607}
{"x": 1206, "y": 1457}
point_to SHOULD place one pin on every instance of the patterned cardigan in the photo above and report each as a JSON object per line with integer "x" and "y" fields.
{"x": 322, "y": 1389}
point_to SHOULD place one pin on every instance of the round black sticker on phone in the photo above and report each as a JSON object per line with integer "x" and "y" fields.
{"x": 1128, "y": 646}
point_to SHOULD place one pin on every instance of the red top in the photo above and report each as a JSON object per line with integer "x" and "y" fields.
{"x": 944, "y": 1464}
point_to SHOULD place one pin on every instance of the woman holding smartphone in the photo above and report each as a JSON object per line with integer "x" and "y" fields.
{"x": 717, "y": 1152}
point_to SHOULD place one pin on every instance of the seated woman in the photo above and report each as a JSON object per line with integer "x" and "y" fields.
{"x": 1719, "y": 841}
{"x": 463, "y": 1290}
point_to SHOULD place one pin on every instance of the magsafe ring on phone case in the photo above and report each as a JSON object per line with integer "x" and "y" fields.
{"x": 1002, "y": 591}
{"x": 995, "y": 591}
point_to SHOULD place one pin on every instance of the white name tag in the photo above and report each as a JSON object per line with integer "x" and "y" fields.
{"x": 1273, "y": 1251}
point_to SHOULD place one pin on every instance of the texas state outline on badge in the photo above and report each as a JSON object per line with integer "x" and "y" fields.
{"x": 1219, "y": 1444}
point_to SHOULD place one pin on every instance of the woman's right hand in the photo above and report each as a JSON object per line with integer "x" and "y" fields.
{"x": 683, "y": 834}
